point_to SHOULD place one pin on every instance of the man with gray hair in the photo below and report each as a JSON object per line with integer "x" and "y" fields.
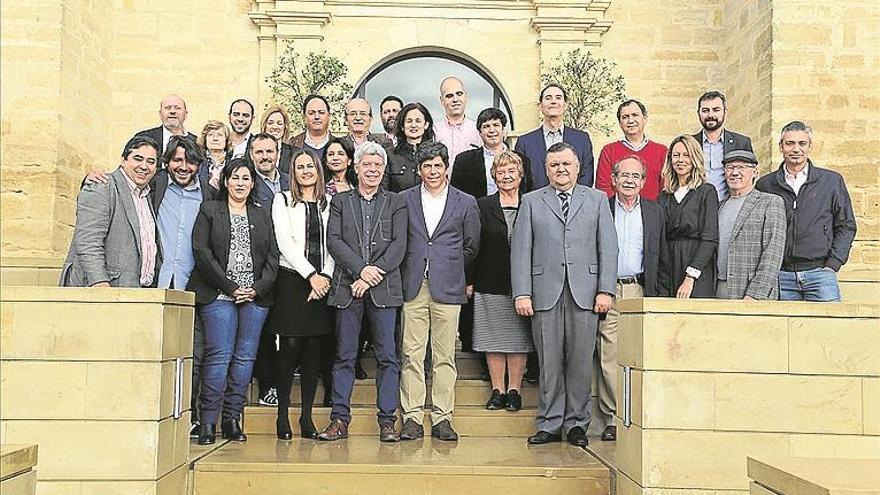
{"x": 366, "y": 235}
{"x": 358, "y": 119}
{"x": 751, "y": 234}
{"x": 821, "y": 225}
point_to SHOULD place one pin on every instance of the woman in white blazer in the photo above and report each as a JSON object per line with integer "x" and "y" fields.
{"x": 301, "y": 318}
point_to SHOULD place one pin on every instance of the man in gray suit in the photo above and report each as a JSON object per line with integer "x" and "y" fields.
{"x": 442, "y": 238}
{"x": 563, "y": 275}
{"x": 114, "y": 241}
{"x": 751, "y": 234}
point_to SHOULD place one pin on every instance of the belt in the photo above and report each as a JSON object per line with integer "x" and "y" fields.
{"x": 802, "y": 266}
{"x": 638, "y": 279}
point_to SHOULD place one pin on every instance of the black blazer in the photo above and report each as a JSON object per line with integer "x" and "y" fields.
{"x": 731, "y": 140}
{"x": 469, "y": 173}
{"x": 490, "y": 271}
{"x": 156, "y": 134}
{"x": 402, "y": 171}
{"x": 653, "y": 242}
{"x": 388, "y": 245}
{"x": 284, "y": 160}
{"x": 159, "y": 185}
{"x": 211, "y": 237}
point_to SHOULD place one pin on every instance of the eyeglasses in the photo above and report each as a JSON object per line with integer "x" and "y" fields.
{"x": 628, "y": 175}
{"x": 738, "y": 167}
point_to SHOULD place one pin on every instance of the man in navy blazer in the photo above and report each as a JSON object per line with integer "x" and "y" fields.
{"x": 270, "y": 179}
{"x": 442, "y": 238}
{"x": 535, "y": 144}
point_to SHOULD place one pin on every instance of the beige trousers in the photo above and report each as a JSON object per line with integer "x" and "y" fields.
{"x": 605, "y": 363}
{"x": 423, "y": 317}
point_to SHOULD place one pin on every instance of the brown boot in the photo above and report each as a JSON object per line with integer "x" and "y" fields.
{"x": 336, "y": 430}
{"x": 387, "y": 432}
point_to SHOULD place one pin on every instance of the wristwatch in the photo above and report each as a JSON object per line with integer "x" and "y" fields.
{"x": 693, "y": 272}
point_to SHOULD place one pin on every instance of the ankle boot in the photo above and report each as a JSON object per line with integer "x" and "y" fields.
{"x": 206, "y": 434}
{"x": 282, "y": 426}
{"x": 307, "y": 428}
{"x": 231, "y": 429}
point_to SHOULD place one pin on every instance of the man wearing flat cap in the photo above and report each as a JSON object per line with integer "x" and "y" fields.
{"x": 751, "y": 233}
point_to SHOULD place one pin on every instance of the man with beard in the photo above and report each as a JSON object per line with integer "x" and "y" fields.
{"x": 717, "y": 141}
{"x": 172, "y": 113}
{"x": 358, "y": 118}
{"x": 316, "y": 117}
{"x": 270, "y": 181}
{"x": 177, "y": 203}
{"x": 456, "y": 131}
{"x": 241, "y": 116}
{"x": 389, "y": 108}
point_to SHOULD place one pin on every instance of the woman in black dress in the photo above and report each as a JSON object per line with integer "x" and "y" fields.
{"x": 302, "y": 318}
{"x": 687, "y": 268}
{"x": 413, "y": 127}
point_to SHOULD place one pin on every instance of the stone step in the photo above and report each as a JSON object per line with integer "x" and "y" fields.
{"x": 469, "y": 421}
{"x": 365, "y": 466}
{"x": 467, "y": 393}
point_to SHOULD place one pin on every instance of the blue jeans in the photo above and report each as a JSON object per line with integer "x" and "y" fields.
{"x": 348, "y": 327}
{"x": 818, "y": 284}
{"x": 232, "y": 333}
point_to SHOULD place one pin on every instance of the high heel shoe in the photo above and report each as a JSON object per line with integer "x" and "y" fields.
{"x": 307, "y": 428}
{"x": 282, "y": 428}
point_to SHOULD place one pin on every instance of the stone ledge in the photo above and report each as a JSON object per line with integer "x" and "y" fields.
{"x": 96, "y": 295}
{"x": 817, "y": 476}
{"x": 16, "y": 458}
{"x": 753, "y": 308}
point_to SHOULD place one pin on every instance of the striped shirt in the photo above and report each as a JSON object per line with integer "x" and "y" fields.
{"x": 147, "y": 230}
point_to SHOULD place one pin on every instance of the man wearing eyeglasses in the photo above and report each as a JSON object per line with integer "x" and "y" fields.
{"x": 640, "y": 238}
{"x": 456, "y": 131}
{"x": 358, "y": 119}
{"x": 751, "y": 233}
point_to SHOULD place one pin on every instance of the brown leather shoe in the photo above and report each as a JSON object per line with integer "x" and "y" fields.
{"x": 387, "y": 432}
{"x": 411, "y": 430}
{"x": 609, "y": 434}
{"x": 336, "y": 430}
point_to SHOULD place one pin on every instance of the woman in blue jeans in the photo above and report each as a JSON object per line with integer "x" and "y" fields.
{"x": 236, "y": 263}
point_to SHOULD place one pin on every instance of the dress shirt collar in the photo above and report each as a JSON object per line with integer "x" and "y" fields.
{"x": 800, "y": 175}
{"x": 635, "y": 205}
{"x": 635, "y": 147}
{"x": 707, "y": 141}
{"x": 488, "y": 153}
{"x": 441, "y": 194}
{"x": 548, "y": 132}
{"x": 135, "y": 189}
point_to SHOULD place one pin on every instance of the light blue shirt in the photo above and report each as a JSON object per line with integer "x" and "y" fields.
{"x": 176, "y": 218}
{"x": 714, "y": 153}
{"x": 274, "y": 185}
{"x": 552, "y": 137}
{"x": 630, "y": 239}
{"x": 488, "y": 159}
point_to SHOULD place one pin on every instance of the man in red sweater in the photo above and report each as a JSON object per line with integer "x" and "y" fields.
{"x": 632, "y": 117}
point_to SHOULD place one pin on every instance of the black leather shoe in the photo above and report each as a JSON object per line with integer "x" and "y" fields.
{"x": 307, "y": 428}
{"x": 206, "y": 434}
{"x": 359, "y": 372}
{"x": 444, "y": 431}
{"x": 496, "y": 401}
{"x": 577, "y": 437}
{"x": 282, "y": 428}
{"x": 231, "y": 430}
{"x": 543, "y": 437}
{"x": 531, "y": 376}
{"x": 514, "y": 401}
{"x": 609, "y": 434}
{"x": 411, "y": 430}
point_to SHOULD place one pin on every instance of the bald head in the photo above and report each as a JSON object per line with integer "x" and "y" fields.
{"x": 172, "y": 113}
{"x": 454, "y": 98}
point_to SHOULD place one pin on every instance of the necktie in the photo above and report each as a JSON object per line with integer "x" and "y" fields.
{"x": 563, "y": 199}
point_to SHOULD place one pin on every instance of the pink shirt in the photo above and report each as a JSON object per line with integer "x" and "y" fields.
{"x": 147, "y": 228}
{"x": 457, "y": 137}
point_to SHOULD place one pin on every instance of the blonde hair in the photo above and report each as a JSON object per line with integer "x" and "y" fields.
{"x": 698, "y": 171}
{"x": 506, "y": 158}
{"x": 214, "y": 125}
{"x": 268, "y": 113}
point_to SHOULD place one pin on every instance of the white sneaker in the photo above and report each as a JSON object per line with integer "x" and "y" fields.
{"x": 270, "y": 398}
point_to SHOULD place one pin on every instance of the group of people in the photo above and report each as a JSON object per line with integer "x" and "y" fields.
{"x": 436, "y": 232}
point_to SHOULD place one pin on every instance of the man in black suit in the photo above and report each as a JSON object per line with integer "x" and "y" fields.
{"x": 172, "y": 113}
{"x": 716, "y": 140}
{"x": 473, "y": 168}
{"x": 640, "y": 238}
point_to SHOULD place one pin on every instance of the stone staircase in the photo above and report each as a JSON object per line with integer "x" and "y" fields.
{"x": 491, "y": 454}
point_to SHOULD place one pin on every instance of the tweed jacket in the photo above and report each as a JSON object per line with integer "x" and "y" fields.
{"x": 757, "y": 242}
{"x": 106, "y": 240}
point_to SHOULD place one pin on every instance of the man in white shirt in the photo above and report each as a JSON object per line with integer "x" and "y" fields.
{"x": 443, "y": 237}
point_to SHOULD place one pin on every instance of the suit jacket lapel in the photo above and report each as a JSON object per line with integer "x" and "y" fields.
{"x": 124, "y": 193}
{"x": 377, "y": 212}
{"x": 419, "y": 211}
{"x": 496, "y": 210}
{"x": 578, "y": 195}
{"x": 452, "y": 199}
{"x": 354, "y": 202}
{"x": 749, "y": 204}
{"x": 549, "y": 197}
